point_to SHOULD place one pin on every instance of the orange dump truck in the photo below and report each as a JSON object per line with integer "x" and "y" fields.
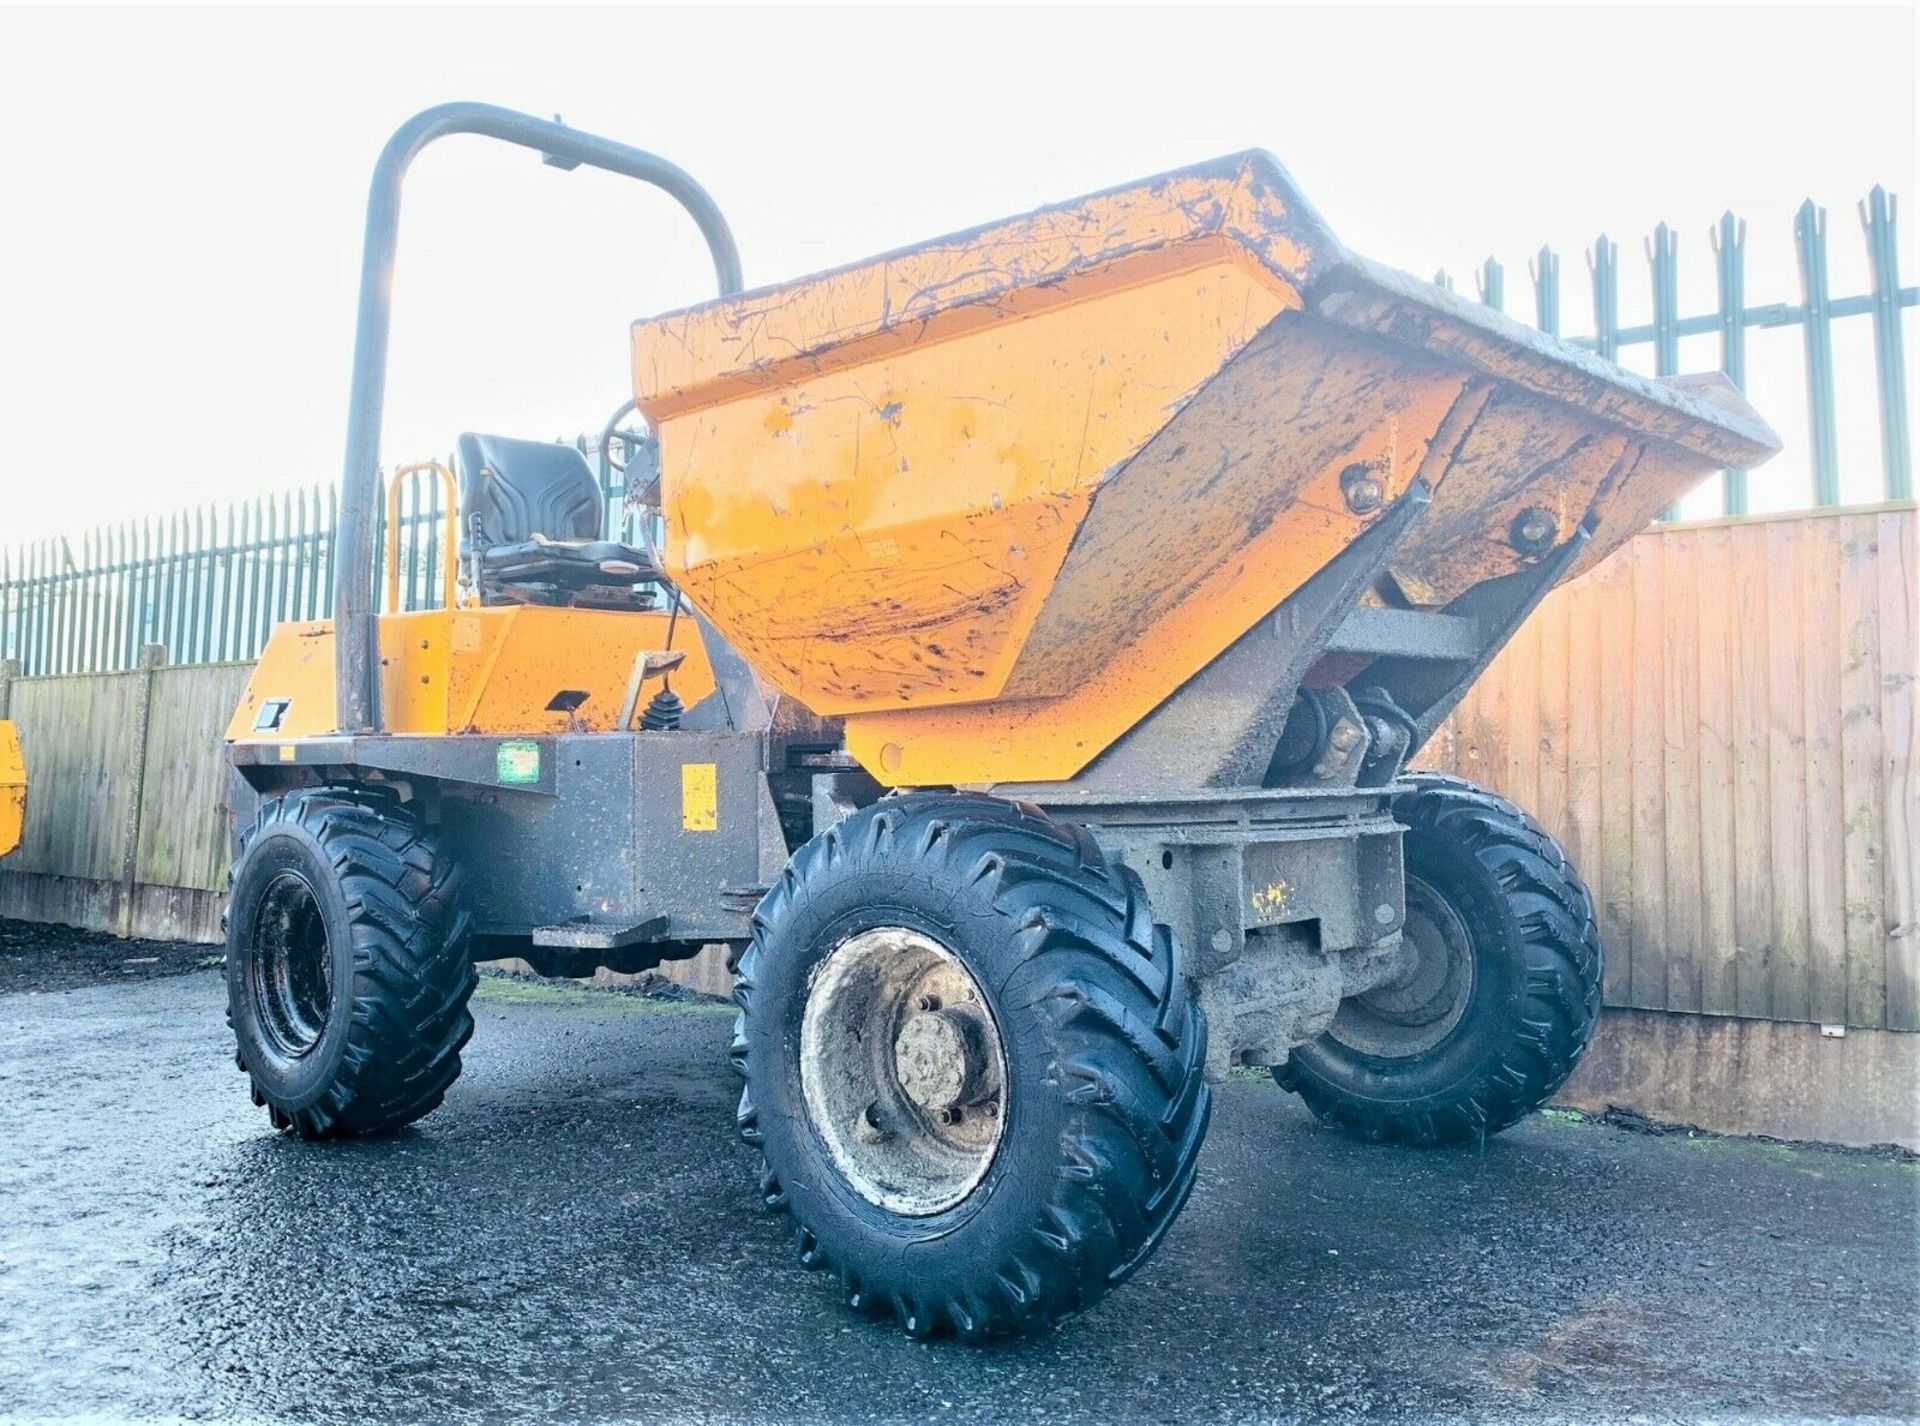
{"x": 1020, "y": 667}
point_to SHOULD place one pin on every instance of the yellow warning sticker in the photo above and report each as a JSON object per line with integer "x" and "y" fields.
{"x": 700, "y": 797}
{"x": 1270, "y": 901}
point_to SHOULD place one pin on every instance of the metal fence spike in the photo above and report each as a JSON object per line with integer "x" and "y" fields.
{"x": 1491, "y": 282}
{"x": 1877, "y": 219}
{"x": 1816, "y": 329}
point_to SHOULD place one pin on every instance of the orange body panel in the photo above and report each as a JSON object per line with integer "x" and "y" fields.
{"x": 885, "y": 536}
{"x": 484, "y": 670}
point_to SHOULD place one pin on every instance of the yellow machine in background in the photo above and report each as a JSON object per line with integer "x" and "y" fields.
{"x": 13, "y": 788}
{"x": 1020, "y": 667}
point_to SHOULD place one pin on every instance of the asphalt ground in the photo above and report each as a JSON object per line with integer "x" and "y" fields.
{"x": 575, "y": 1236}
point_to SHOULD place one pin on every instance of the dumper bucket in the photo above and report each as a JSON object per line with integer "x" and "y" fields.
{"x": 994, "y": 498}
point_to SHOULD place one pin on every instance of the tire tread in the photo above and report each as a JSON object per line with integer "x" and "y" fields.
{"x": 1130, "y": 1044}
{"x": 1560, "y": 943}
{"x": 413, "y": 974}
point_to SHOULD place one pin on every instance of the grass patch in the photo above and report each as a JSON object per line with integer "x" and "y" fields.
{"x": 500, "y": 989}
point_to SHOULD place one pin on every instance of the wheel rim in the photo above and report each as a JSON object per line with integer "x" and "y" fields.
{"x": 902, "y": 1070}
{"x": 1419, "y": 1008}
{"x": 290, "y": 973}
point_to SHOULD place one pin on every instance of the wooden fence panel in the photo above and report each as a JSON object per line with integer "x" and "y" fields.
{"x": 1611, "y": 589}
{"x": 1646, "y": 753}
{"x": 1786, "y": 740}
{"x": 78, "y": 736}
{"x": 1898, "y": 572}
{"x": 1752, "y": 802}
{"x": 91, "y": 742}
{"x": 183, "y": 829}
{"x": 1826, "y": 810}
{"x": 1720, "y": 723}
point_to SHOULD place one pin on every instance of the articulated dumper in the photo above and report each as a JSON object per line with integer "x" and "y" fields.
{"x": 1019, "y": 664}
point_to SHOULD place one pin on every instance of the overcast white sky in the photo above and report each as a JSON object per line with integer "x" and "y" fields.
{"x": 183, "y": 192}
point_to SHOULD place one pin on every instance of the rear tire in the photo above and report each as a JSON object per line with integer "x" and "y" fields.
{"x": 1086, "y": 1063}
{"x": 348, "y": 971}
{"x": 1497, "y": 1011}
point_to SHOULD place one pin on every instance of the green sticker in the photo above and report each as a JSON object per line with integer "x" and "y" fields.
{"x": 517, "y": 762}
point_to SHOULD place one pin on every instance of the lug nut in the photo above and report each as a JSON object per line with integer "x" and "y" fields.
{"x": 1533, "y": 531}
{"x": 950, "y": 1116}
{"x": 928, "y": 1002}
{"x": 869, "y": 1130}
{"x": 1362, "y": 489}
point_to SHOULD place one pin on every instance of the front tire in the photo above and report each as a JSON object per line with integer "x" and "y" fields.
{"x": 348, "y": 971}
{"x": 973, "y": 1068}
{"x": 1501, "y": 994}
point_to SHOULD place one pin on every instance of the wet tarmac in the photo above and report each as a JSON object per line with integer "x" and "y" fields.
{"x": 575, "y": 1236}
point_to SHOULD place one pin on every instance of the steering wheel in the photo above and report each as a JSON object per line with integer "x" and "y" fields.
{"x": 641, "y": 505}
{"x": 629, "y": 438}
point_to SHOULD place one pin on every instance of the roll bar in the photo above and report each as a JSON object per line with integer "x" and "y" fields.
{"x": 356, "y": 653}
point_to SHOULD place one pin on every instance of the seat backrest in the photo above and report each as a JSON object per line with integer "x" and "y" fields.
{"x": 514, "y": 490}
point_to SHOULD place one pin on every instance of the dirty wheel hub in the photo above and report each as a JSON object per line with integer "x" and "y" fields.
{"x": 1419, "y": 1007}
{"x": 902, "y": 1070}
{"x": 291, "y": 972}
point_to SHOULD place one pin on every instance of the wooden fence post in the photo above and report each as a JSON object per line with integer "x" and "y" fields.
{"x": 152, "y": 656}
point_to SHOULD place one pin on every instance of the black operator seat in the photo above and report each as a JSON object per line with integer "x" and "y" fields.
{"x": 530, "y": 524}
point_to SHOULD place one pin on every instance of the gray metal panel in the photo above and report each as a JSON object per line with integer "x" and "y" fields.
{"x": 465, "y": 758}
{"x": 598, "y": 836}
{"x": 1408, "y": 632}
{"x": 708, "y": 882}
{"x": 535, "y": 860}
{"x": 599, "y": 935}
{"x": 1219, "y": 866}
{"x": 610, "y": 845}
{"x": 737, "y": 702}
{"x": 1429, "y": 689}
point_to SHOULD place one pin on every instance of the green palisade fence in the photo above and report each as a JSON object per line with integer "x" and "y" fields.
{"x": 1814, "y": 314}
{"x": 210, "y": 584}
